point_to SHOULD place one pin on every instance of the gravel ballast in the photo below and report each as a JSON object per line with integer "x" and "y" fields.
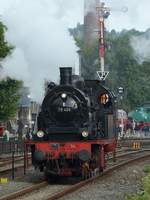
{"x": 113, "y": 187}
{"x": 22, "y": 182}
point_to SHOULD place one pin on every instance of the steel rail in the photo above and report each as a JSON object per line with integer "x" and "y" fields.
{"x": 90, "y": 180}
{"x": 24, "y": 191}
{"x": 10, "y": 157}
{"x": 77, "y": 186}
{"x": 20, "y": 166}
{"x": 10, "y": 161}
{"x": 121, "y": 155}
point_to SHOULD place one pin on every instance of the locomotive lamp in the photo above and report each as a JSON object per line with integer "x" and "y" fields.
{"x": 104, "y": 98}
{"x": 63, "y": 95}
{"x": 40, "y": 134}
{"x": 85, "y": 134}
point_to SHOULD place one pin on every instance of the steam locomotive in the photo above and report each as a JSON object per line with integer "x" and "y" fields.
{"x": 75, "y": 127}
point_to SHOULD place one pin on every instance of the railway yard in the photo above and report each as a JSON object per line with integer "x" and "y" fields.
{"x": 121, "y": 177}
{"x": 82, "y": 133}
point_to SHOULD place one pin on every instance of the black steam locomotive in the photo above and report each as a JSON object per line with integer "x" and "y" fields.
{"x": 75, "y": 107}
{"x": 76, "y": 125}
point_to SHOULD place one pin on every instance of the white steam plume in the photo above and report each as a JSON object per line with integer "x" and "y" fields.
{"x": 141, "y": 46}
{"x": 90, "y": 6}
{"x": 39, "y": 31}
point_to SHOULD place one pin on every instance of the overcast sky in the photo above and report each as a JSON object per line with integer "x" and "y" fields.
{"x": 137, "y": 16}
{"x": 38, "y": 30}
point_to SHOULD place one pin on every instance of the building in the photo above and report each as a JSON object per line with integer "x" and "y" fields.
{"x": 27, "y": 112}
{"x": 90, "y": 20}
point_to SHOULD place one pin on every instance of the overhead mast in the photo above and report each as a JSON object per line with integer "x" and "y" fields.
{"x": 103, "y": 13}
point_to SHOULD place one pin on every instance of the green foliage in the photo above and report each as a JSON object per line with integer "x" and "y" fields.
{"x": 120, "y": 60}
{"x": 129, "y": 74}
{"x": 147, "y": 169}
{"x": 5, "y": 48}
{"x": 8, "y": 88}
{"x": 9, "y": 98}
{"x": 145, "y": 188}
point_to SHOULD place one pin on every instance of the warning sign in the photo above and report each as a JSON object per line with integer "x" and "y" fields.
{"x": 102, "y": 75}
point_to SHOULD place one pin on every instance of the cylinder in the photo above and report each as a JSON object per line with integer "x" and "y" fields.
{"x": 65, "y": 75}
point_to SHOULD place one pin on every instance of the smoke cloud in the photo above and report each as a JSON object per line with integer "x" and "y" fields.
{"x": 39, "y": 31}
{"x": 141, "y": 46}
{"x": 90, "y": 6}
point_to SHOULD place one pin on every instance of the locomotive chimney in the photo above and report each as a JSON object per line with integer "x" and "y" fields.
{"x": 65, "y": 75}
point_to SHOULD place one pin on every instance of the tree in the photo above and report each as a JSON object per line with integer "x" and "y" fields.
{"x": 5, "y": 48}
{"x": 121, "y": 62}
{"x": 129, "y": 74}
{"x": 9, "y": 97}
{"x": 8, "y": 87}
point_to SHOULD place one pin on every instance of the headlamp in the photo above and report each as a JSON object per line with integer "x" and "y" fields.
{"x": 63, "y": 95}
{"x": 85, "y": 134}
{"x": 40, "y": 134}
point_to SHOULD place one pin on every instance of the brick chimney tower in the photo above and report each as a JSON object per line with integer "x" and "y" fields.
{"x": 90, "y": 20}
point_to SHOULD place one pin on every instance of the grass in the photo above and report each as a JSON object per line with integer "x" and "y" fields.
{"x": 144, "y": 193}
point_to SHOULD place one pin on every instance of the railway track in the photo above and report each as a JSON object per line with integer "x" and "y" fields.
{"x": 8, "y": 157}
{"x": 122, "y": 154}
{"x": 7, "y": 162}
{"x": 6, "y": 166}
{"x": 53, "y": 192}
{"x": 128, "y": 142}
